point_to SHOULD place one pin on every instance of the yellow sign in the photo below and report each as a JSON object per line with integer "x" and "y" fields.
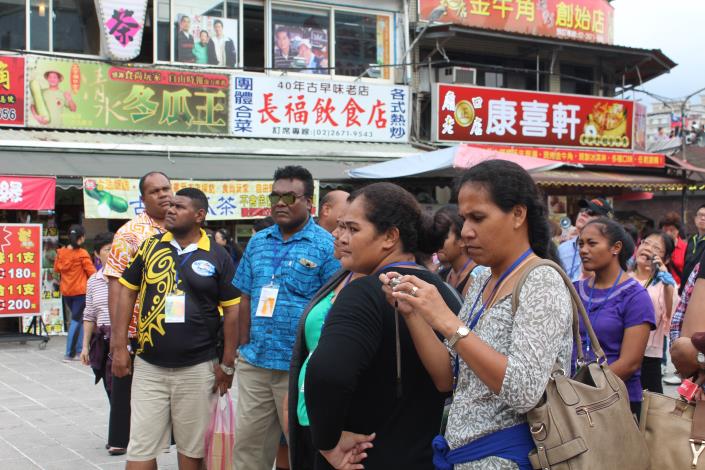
{"x": 119, "y": 198}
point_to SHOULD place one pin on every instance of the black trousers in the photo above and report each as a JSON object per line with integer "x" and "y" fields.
{"x": 651, "y": 374}
{"x": 119, "y": 424}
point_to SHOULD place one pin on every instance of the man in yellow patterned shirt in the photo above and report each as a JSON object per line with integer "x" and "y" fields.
{"x": 156, "y": 195}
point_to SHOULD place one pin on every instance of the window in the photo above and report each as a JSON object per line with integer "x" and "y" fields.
{"x": 576, "y": 79}
{"x": 300, "y": 40}
{"x": 203, "y": 33}
{"x": 362, "y": 41}
{"x": 73, "y": 27}
{"x": 253, "y": 36}
{"x": 494, "y": 79}
{"x": 12, "y": 24}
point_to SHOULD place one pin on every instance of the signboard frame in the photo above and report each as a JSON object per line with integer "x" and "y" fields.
{"x": 38, "y": 253}
{"x": 437, "y": 109}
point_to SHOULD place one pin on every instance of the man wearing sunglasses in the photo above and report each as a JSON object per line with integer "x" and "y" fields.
{"x": 283, "y": 267}
{"x": 568, "y": 250}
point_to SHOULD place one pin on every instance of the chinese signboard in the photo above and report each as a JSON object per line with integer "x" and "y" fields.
{"x": 291, "y": 108}
{"x": 587, "y": 156}
{"x": 32, "y": 193}
{"x": 118, "y": 198}
{"x": 496, "y": 115}
{"x": 122, "y": 25}
{"x": 70, "y": 94}
{"x": 11, "y": 91}
{"x": 582, "y": 20}
{"x": 20, "y": 269}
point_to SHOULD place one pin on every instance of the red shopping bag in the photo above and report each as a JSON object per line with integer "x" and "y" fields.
{"x": 220, "y": 438}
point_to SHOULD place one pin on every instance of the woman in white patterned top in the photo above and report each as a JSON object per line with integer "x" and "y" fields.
{"x": 502, "y": 359}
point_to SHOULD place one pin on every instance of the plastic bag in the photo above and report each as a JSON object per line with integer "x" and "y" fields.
{"x": 220, "y": 438}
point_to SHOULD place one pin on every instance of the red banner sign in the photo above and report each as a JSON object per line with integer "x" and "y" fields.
{"x": 20, "y": 269}
{"x": 11, "y": 91}
{"x": 498, "y": 115}
{"x": 582, "y": 20}
{"x": 29, "y": 193}
{"x": 587, "y": 156}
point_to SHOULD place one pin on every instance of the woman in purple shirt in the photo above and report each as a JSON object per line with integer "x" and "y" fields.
{"x": 619, "y": 308}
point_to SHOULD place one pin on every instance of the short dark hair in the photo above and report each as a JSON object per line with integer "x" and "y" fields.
{"x": 671, "y": 218}
{"x": 198, "y": 197}
{"x": 281, "y": 29}
{"x": 217, "y": 22}
{"x": 295, "y": 172}
{"x": 147, "y": 175}
{"x": 614, "y": 232}
{"x": 102, "y": 239}
{"x": 447, "y": 220}
{"x": 702, "y": 206}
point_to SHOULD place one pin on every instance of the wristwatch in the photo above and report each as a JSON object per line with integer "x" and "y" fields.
{"x": 700, "y": 358}
{"x": 459, "y": 334}
{"x": 227, "y": 370}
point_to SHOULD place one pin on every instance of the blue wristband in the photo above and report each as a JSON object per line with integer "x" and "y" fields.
{"x": 666, "y": 278}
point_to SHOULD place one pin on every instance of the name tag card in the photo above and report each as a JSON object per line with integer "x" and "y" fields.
{"x": 267, "y": 301}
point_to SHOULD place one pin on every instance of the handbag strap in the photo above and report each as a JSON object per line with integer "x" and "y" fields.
{"x": 577, "y": 304}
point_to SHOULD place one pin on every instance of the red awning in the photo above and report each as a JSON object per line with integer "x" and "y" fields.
{"x": 32, "y": 193}
{"x": 608, "y": 179}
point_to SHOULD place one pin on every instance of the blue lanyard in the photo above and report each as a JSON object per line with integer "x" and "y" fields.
{"x": 589, "y": 305}
{"x": 572, "y": 263}
{"x": 181, "y": 265}
{"x": 476, "y": 318}
{"x": 277, "y": 260}
{"x": 394, "y": 265}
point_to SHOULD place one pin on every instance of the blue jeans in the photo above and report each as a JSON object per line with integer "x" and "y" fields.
{"x": 74, "y": 341}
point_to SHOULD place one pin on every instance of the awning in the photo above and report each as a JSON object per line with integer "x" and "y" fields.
{"x": 446, "y": 162}
{"x": 77, "y": 154}
{"x": 608, "y": 179}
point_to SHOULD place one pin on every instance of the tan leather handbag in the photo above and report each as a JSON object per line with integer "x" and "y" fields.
{"x": 584, "y": 422}
{"x": 674, "y": 430}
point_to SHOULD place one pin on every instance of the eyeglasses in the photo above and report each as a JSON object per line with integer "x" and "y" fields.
{"x": 589, "y": 212}
{"x": 288, "y": 198}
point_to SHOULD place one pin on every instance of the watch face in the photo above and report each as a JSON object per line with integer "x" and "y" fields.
{"x": 700, "y": 358}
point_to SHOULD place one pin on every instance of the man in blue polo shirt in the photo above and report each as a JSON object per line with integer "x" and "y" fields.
{"x": 283, "y": 267}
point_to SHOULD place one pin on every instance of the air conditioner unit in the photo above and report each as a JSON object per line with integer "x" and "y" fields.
{"x": 457, "y": 75}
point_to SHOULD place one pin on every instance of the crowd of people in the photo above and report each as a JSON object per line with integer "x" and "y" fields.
{"x": 348, "y": 334}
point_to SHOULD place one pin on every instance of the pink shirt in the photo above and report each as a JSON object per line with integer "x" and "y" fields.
{"x": 657, "y": 292}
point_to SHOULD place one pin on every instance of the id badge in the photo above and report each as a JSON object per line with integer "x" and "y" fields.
{"x": 175, "y": 308}
{"x": 267, "y": 301}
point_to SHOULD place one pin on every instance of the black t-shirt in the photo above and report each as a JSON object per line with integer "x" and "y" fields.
{"x": 701, "y": 271}
{"x": 351, "y": 379}
{"x": 204, "y": 275}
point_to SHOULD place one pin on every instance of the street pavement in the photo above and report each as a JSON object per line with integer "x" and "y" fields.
{"x": 53, "y": 417}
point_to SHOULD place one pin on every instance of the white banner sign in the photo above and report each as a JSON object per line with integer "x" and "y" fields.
{"x": 301, "y": 108}
{"x": 122, "y": 24}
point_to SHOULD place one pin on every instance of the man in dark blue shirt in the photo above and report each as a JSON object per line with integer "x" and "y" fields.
{"x": 282, "y": 268}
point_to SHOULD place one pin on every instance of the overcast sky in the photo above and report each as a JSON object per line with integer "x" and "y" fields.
{"x": 677, "y": 27}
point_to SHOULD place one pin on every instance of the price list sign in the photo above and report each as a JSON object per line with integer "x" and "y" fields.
{"x": 20, "y": 269}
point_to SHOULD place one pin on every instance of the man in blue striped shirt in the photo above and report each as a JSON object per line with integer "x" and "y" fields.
{"x": 282, "y": 268}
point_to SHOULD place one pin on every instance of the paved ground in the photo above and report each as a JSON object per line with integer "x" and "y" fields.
{"x": 53, "y": 417}
{"x": 51, "y": 414}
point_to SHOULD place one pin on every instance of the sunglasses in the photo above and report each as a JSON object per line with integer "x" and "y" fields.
{"x": 288, "y": 198}
{"x": 589, "y": 212}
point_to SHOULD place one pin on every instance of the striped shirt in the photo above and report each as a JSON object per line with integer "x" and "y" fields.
{"x": 97, "y": 300}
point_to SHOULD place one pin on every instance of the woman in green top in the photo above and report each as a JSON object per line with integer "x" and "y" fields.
{"x": 301, "y": 451}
